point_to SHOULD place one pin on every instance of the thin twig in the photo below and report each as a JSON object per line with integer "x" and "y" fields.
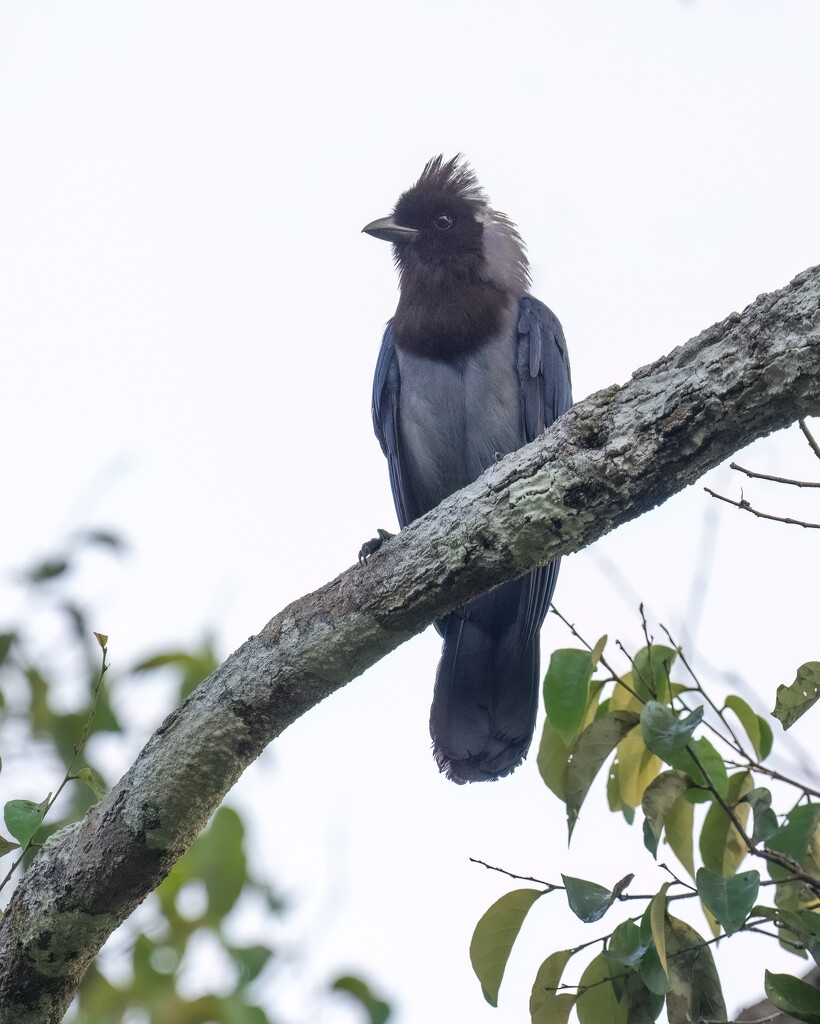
{"x": 774, "y": 479}
{"x": 815, "y": 447}
{"x": 744, "y": 504}
{"x": 521, "y": 878}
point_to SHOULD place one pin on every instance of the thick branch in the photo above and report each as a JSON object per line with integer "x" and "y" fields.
{"x": 613, "y": 457}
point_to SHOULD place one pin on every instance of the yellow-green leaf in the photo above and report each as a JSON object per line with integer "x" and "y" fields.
{"x": 494, "y": 936}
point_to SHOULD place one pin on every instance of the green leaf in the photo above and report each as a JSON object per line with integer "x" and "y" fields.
{"x": 793, "y": 996}
{"x": 695, "y": 992}
{"x": 664, "y": 733}
{"x": 652, "y": 973}
{"x": 6, "y": 846}
{"x": 650, "y": 672}
{"x": 680, "y": 829}
{"x": 87, "y": 776}
{"x": 656, "y": 912}
{"x": 626, "y": 947}
{"x": 756, "y": 728}
{"x": 377, "y": 1010}
{"x": 721, "y": 845}
{"x": 712, "y": 763}
{"x": 643, "y": 1005}
{"x": 23, "y": 818}
{"x": 587, "y": 900}
{"x": 728, "y": 899}
{"x": 658, "y": 798}
{"x": 637, "y": 767}
{"x": 797, "y": 838}
{"x": 102, "y": 639}
{"x": 794, "y": 701}
{"x": 766, "y": 823}
{"x": 592, "y": 748}
{"x": 566, "y": 691}
{"x": 546, "y": 1005}
{"x": 553, "y": 760}
{"x": 6, "y": 640}
{"x": 597, "y": 1001}
{"x": 494, "y": 936}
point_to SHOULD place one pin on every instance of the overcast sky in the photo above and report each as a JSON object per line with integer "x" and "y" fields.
{"x": 190, "y": 318}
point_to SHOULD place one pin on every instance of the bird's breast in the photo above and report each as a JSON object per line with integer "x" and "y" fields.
{"x": 455, "y": 416}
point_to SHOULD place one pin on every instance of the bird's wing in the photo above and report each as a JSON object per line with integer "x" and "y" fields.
{"x": 543, "y": 367}
{"x": 386, "y": 387}
{"x": 546, "y": 393}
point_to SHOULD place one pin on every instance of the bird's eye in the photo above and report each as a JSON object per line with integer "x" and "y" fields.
{"x": 443, "y": 221}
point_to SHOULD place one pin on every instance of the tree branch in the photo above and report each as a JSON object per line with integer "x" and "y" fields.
{"x": 613, "y": 457}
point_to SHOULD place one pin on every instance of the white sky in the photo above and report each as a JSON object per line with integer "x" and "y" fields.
{"x": 189, "y": 321}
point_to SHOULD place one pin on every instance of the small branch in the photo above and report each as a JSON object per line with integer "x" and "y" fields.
{"x": 549, "y": 887}
{"x": 762, "y": 515}
{"x": 706, "y": 697}
{"x": 774, "y": 479}
{"x": 753, "y": 766}
{"x": 815, "y": 447}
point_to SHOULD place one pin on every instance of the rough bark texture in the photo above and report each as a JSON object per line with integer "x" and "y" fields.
{"x": 614, "y": 456}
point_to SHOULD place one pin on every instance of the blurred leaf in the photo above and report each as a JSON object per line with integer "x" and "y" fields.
{"x": 192, "y": 666}
{"x": 46, "y": 570}
{"x": 650, "y": 672}
{"x": 793, "y": 996}
{"x": 596, "y": 1000}
{"x": 587, "y": 900}
{"x": 494, "y": 936}
{"x": 664, "y": 733}
{"x": 103, "y": 538}
{"x": 728, "y": 899}
{"x": 23, "y": 818}
{"x": 102, "y": 639}
{"x": 87, "y": 776}
{"x": 721, "y": 845}
{"x": 643, "y": 1005}
{"x": 250, "y": 959}
{"x": 695, "y": 992}
{"x": 792, "y": 702}
{"x": 377, "y": 1009}
{"x": 658, "y": 798}
{"x": 591, "y": 749}
{"x": 39, "y": 710}
{"x": 546, "y": 1005}
{"x": 6, "y": 640}
{"x": 6, "y": 846}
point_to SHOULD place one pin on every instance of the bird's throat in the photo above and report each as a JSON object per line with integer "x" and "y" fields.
{"x": 445, "y": 321}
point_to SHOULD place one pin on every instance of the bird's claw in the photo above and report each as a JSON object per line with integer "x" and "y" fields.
{"x": 370, "y": 547}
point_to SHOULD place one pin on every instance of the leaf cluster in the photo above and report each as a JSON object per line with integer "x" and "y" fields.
{"x": 651, "y": 732}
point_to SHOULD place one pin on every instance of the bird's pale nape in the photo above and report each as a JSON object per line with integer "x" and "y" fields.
{"x": 471, "y": 367}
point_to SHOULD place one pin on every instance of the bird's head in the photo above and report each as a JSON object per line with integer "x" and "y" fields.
{"x": 445, "y": 225}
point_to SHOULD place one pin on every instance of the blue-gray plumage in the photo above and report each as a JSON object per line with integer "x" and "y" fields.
{"x": 471, "y": 367}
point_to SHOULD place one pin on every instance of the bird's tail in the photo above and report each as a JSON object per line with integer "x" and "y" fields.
{"x": 487, "y": 683}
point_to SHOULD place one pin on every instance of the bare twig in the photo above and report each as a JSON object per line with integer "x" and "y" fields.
{"x": 815, "y": 447}
{"x": 774, "y": 479}
{"x": 762, "y": 515}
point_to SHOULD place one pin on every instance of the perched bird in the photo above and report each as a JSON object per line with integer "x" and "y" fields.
{"x": 471, "y": 367}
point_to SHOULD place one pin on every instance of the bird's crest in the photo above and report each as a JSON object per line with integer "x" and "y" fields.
{"x": 452, "y": 177}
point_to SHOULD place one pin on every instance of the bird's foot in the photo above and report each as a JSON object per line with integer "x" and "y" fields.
{"x": 370, "y": 547}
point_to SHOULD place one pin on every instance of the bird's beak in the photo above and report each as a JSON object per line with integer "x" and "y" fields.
{"x": 388, "y": 230}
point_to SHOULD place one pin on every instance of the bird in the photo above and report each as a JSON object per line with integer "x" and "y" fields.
{"x": 471, "y": 367}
